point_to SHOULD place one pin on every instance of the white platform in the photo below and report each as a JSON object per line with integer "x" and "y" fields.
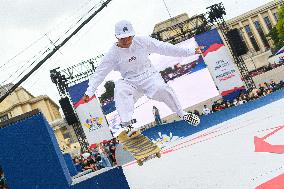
{"x": 221, "y": 157}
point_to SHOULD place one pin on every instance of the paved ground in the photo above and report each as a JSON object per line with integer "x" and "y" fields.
{"x": 242, "y": 153}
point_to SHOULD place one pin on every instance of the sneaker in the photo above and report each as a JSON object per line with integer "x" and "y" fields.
{"x": 130, "y": 130}
{"x": 192, "y": 119}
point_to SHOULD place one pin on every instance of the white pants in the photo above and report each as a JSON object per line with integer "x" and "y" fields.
{"x": 127, "y": 92}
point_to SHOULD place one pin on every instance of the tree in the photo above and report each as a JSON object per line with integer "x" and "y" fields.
{"x": 274, "y": 36}
{"x": 280, "y": 24}
{"x": 109, "y": 93}
{"x": 277, "y": 33}
{"x": 169, "y": 70}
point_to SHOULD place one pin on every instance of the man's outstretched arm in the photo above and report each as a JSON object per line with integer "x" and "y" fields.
{"x": 97, "y": 78}
{"x": 165, "y": 48}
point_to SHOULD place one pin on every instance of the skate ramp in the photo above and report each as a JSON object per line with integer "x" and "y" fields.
{"x": 182, "y": 129}
{"x": 223, "y": 154}
{"x": 123, "y": 156}
{"x": 31, "y": 159}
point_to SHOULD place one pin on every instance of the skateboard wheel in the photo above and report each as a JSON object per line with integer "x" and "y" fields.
{"x": 140, "y": 162}
{"x": 158, "y": 154}
{"x": 132, "y": 134}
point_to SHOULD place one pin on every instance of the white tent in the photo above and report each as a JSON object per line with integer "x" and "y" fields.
{"x": 276, "y": 59}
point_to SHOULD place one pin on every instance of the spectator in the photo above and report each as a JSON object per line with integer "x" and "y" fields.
{"x": 78, "y": 164}
{"x": 89, "y": 163}
{"x": 281, "y": 84}
{"x": 235, "y": 102}
{"x": 245, "y": 97}
{"x": 196, "y": 112}
{"x": 254, "y": 94}
{"x": 273, "y": 85}
{"x": 3, "y": 182}
{"x": 222, "y": 105}
{"x": 215, "y": 106}
{"x": 240, "y": 101}
{"x": 112, "y": 149}
{"x": 94, "y": 152}
{"x": 105, "y": 162}
{"x": 98, "y": 161}
{"x": 261, "y": 90}
{"x": 281, "y": 60}
{"x": 206, "y": 110}
{"x": 228, "y": 104}
{"x": 157, "y": 116}
{"x": 267, "y": 88}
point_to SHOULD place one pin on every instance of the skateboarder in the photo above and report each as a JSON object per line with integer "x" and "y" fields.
{"x": 129, "y": 56}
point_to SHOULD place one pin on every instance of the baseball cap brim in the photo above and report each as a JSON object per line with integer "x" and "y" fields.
{"x": 124, "y": 35}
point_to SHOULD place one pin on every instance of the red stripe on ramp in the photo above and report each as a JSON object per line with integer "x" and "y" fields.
{"x": 167, "y": 151}
{"x": 261, "y": 145}
{"x": 275, "y": 183}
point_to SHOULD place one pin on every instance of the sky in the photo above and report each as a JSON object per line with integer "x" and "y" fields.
{"x": 29, "y": 27}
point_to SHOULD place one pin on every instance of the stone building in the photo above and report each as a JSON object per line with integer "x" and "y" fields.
{"x": 21, "y": 101}
{"x": 253, "y": 26}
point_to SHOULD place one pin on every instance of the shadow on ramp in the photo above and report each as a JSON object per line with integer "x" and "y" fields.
{"x": 123, "y": 156}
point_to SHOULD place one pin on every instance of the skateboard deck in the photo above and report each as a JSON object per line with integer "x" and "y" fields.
{"x": 140, "y": 147}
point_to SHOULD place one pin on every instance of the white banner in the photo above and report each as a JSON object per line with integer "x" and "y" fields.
{"x": 220, "y": 64}
{"x": 223, "y": 70}
{"x": 93, "y": 122}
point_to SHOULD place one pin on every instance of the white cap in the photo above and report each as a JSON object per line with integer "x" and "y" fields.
{"x": 124, "y": 29}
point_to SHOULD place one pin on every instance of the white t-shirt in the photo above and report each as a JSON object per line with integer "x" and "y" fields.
{"x": 206, "y": 111}
{"x": 134, "y": 61}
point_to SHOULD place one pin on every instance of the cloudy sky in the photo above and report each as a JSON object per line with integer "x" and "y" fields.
{"x": 29, "y": 27}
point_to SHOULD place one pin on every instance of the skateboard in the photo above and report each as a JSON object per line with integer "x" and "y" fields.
{"x": 140, "y": 147}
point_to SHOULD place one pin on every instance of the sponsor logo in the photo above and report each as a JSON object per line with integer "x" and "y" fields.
{"x": 164, "y": 140}
{"x": 132, "y": 59}
{"x": 125, "y": 29}
{"x": 93, "y": 123}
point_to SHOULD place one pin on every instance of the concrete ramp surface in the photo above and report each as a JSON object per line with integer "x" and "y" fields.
{"x": 243, "y": 152}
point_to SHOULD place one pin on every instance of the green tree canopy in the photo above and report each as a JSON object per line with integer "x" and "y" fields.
{"x": 280, "y": 24}
{"x": 109, "y": 93}
{"x": 277, "y": 33}
{"x": 274, "y": 36}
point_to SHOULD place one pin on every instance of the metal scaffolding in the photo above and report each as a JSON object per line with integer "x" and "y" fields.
{"x": 216, "y": 16}
{"x": 184, "y": 30}
{"x": 68, "y": 77}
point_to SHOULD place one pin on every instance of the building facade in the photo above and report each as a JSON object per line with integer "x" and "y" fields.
{"x": 175, "y": 29}
{"x": 66, "y": 137}
{"x": 21, "y": 101}
{"x": 253, "y": 27}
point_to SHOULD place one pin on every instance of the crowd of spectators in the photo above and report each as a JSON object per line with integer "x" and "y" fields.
{"x": 3, "y": 182}
{"x": 178, "y": 70}
{"x": 245, "y": 96}
{"x": 106, "y": 101}
{"x": 96, "y": 157}
{"x": 263, "y": 69}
